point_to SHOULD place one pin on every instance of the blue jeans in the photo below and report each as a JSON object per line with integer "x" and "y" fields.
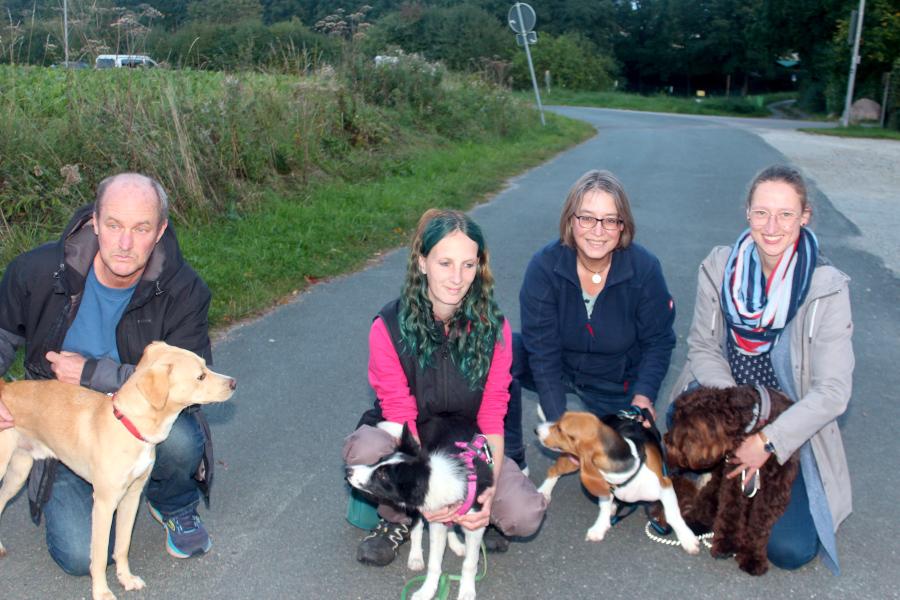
{"x": 170, "y": 488}
{"x": 597, "y": 400}
{"x": 794, "y": 541}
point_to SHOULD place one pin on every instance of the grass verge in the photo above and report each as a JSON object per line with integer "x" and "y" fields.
{"x": 858, "y": 132}
{"x": 255, "y": 262}
{"x": 734, "y": 106}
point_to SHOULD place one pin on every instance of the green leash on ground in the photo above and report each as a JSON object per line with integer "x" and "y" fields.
{"x": 443, "y": 589}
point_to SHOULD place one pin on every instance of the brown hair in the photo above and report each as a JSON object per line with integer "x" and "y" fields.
{"x": 601, "y": 181}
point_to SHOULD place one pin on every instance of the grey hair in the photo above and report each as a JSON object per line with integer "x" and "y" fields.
{"x": 785, "y": 174}
{"x": 602, "y": 181}
{"x": 161, "y": 195}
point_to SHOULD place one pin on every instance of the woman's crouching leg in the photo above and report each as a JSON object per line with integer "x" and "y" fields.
{"x": 367, "y": 445}
{"x": 518, "y": 508}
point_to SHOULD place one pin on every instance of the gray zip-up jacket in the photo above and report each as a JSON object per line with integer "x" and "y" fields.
{"x": 821, "y": 360}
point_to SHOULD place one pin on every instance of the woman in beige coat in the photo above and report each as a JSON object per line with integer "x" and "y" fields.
{"x": 782, "y": 319}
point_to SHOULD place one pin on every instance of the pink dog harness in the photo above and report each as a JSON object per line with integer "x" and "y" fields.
{"x": 476, "y": 448}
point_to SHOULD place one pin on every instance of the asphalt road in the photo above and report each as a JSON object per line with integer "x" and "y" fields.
{"x": 278, "y": 510}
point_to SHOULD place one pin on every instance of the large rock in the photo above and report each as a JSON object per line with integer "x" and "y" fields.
{"x": 865, "y": 110}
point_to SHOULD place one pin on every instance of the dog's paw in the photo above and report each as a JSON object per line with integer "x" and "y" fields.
{"x": 415, "y": 563}
{"x": 546, "y": 489}
{"x": 130, "y": 581}
{"x": 2, "y": 551}
{"x": 752, "y": 564}
{"x": 466, "y": 592}
{"x": 690, "y": 544}
{"x": 102, "y": 594}
{"x": 426, "y": 592}
{"x": 596, "y": 533}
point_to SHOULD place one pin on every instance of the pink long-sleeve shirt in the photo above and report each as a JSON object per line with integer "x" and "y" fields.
{"x": 387, "y": 378}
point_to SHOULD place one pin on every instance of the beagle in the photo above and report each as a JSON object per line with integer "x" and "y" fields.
{"x": 619, "y": 460}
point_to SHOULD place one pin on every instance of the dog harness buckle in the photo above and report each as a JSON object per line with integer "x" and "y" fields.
{"x": 632, "y": 413}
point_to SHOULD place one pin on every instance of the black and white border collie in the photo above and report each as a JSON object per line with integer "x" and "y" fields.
{"x": 429, "y": 477}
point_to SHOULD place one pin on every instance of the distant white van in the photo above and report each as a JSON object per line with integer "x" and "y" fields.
{"x": 118, "y": 61}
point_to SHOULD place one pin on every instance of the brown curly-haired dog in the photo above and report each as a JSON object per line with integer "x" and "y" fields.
{"x": 708, "y": 425}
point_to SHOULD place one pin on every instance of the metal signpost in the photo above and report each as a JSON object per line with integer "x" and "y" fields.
{"x": 854, "y": 61}
{"x": 521, "y": 20}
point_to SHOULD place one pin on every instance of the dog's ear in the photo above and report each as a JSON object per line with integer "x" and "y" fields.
{"x": 408, "y": 444}
{"x": 153, "y": 383}
{"x": 592, "y": 480}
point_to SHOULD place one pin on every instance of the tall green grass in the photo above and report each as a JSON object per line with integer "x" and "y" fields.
{"x": 276, "y": 181}
{"x": 218, "y": 142}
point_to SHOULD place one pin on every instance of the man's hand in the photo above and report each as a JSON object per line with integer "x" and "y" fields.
{"x": 67, "y": 366}
{"x": 6, "y": 420}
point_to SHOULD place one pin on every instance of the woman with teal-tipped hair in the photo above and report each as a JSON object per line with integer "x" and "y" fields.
{"x": 443, "y": 347}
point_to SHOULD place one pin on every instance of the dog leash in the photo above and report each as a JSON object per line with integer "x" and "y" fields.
{"x": 703, "y": 537}
{"x": 633, "y": 413}
{"x": 443, "y": 589}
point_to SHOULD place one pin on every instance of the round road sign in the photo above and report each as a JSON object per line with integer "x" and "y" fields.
{"x": 521, "y": 17}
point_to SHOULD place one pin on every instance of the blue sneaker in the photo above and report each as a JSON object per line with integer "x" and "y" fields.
{"x": 185, "y": 534}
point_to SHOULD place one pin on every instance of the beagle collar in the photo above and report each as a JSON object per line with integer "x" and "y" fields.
{"x": 132, "y": 429}
{"x": 470, "y": 450}
{"x": 761, "y": 409}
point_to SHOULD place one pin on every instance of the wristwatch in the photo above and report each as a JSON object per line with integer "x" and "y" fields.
{"x": 768, "y": 446}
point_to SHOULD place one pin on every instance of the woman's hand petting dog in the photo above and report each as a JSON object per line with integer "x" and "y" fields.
{"x": 750, "y": 456}
{"x": 470, "y": 521}
{"x": 477, "y": 520}
{"x": 444, "y": 515}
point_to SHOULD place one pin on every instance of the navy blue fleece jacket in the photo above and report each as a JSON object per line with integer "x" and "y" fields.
{"x": 627, "y": 342}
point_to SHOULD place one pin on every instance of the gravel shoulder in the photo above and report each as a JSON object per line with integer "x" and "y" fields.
{"x": 869, "y": 197}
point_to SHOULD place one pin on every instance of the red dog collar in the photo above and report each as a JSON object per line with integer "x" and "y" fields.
{"x": 126, "y": 421}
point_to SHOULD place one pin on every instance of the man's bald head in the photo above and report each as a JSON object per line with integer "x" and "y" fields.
{"x": 135, "y": 181}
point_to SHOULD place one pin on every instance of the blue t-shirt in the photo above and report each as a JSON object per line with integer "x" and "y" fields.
{"x": 93, "y": 333}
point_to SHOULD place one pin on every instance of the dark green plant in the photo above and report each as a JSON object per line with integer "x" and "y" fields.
{"x": 572, "y": 60}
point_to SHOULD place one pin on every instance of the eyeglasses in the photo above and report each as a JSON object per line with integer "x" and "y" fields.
{"x": 608, "y": 223}
{"x": 783, "y": 218}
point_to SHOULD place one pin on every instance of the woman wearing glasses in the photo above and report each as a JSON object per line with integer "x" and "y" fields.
{"x": 596, "y": 313}
{"x": 770, "y": 310}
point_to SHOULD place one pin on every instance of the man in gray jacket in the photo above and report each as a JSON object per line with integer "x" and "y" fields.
{"x": 85, "y": 307}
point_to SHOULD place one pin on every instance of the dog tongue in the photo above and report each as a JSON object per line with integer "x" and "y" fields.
{"x": 574, "y": 459}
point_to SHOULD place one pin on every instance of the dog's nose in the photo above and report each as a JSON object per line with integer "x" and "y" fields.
{"x": 348, "y": 471}
{"x": 232, "y": 383}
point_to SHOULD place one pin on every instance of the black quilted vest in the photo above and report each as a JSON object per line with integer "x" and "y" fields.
{"x": 440, "y": 388}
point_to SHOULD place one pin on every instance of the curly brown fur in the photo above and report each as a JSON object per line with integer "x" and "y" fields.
{"x": 708, "y": 425}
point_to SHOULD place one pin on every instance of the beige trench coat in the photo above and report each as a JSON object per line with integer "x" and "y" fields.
{"x": 821, "y": 359}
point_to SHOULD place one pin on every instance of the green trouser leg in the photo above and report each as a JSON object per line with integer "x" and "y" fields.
{"x": 361, "y": 512}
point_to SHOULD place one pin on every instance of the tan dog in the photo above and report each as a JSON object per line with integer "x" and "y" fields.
{"x": 618, "y": 459}
{"x": 109, "y": 441}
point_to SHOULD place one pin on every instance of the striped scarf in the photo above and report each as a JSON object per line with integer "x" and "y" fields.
{"x": 757, "y": 310}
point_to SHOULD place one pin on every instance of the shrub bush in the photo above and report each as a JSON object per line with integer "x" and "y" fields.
{"x": 573, "y": 60}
